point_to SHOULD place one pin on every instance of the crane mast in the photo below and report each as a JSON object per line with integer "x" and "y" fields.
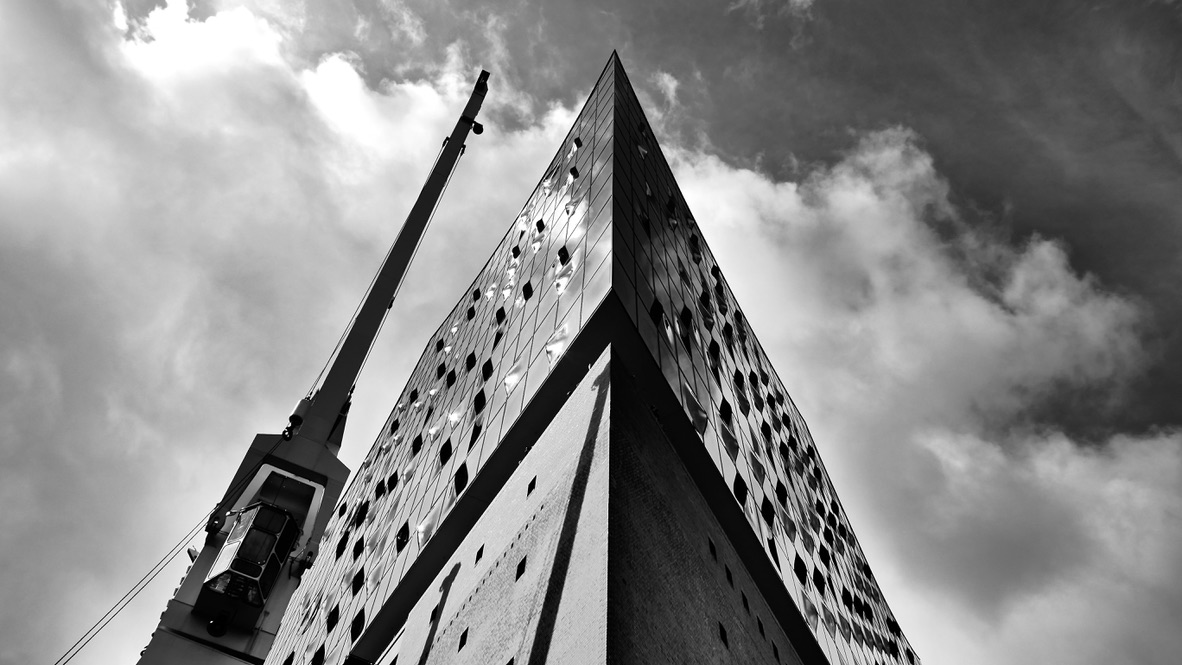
{"x": 263, "y": 533}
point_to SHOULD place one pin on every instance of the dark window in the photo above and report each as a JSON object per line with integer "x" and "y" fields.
{"x": 730, "y": 579}
{"x": 740, "y": 489}
{"x": 497, "y": 338}
{"x": 563, "y": 256}
{"x": 760, "y": 623}
{"x": 394, "y": 426}
{"x": 746, "y": 606}
{"x": 471, "y": 313}
{"x": 334, "y": 615}
{"x": 801, "y": 569}
{"x": 520, "y": 568}
{"x": 343, "y": 543}
{"x": 379, "y": 490}
{"x": 769, "y": 513}
{"x": 722, "y": 635}
{"x": 470, "y": 362}
{"x": 318, "y": 657}
{"x": 445, "y": 452}
{"x": 479, "y": 554}
{"x": 358, "y": 580}
{"x": 533, "y": 483}
{"x": 451, "y": 378}
{"x": 478, "y": 401}
{"x": 486, "y": 370}
{"x": 463, "y": 639}
{"x": 358, "y": 547}
{"x": 540, "y": 226}
{"x": 440, "y": 371}
{"x": 713, "y": 551}
{"x": 402, "y": 537}
{"x": 342, "y": 508}
{"x": 439, "y": 345}
{"x": 290, "y": 658}
{"x": 527, "y": 290}
{"x": 724, "y": 411}
{"x": 416, "y": 445}
{"x": 460, "y": 481}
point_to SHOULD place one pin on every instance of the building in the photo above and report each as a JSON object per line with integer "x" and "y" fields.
{"x": 593, "y": 460}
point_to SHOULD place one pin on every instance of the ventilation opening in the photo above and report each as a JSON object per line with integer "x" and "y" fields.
{"x": 402, "y": 537}
{"x": 334, "y": 615}
{"x": 461, "y": 478}
{"x": 520, "y": 568}
{"x": 445, "y": 452}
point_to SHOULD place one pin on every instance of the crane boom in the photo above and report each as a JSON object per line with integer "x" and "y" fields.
{"x": 327, "y": 404}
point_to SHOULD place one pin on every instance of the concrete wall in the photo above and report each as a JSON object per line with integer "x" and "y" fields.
{"x": 667, "y": 592}
{"x": 556, "y": 611}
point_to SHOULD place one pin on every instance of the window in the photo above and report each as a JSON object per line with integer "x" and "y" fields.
{"x": 769, "y": 513}
{"x": 358, "y": 547}
{"x": 445, "y": 452}
{"x": 460, "y": 481}
{"x": 451, "y": 378}
{"x": 343, "y": 543}
{"x": 334, "y": 615}
{"x": 759, "y": 622}
{"x": 563, "y": 256}
{"x": 740, "y": 489}
{"x": 463, "y": 639}
{"x": 533, "y": 483}
{"x": 358, "y": 580}
{"x": 402, "y": 537}
{"x": 479, "y": 554}
{"x": 746, "y": 606}
{"x": 486, "y": 370}
{"x": 713, "y": 551}
{"x": 318, "y": 657}
{"x": 520, "y": 568}
{"x": 729, "y": 578}
{"x": 722, "y": 635}
{"x": 500, "y": 315}
{"x": 478, "y": 401}
{"x": 527, "y": 289}
{"x": 470, "y": 362}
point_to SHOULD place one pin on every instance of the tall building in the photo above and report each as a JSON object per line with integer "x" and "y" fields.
{"x": 593, "y": 461}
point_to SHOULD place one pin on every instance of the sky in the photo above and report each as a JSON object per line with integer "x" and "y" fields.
{"x": 954, "y": 226}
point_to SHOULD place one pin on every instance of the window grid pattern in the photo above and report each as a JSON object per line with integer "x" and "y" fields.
{"x": 688, "y": 317}
{"x": 483, "y": 364}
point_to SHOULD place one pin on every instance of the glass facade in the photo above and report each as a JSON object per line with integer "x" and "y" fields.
{"x": 481, "y": 368}
{"x": 607, "y": 217}
{"x": 671, "y": 286}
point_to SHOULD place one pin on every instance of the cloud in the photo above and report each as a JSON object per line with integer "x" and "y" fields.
{"x": 189, "y": 212}
{"x": 188, "y": 215}
{"x": 917, "y": 343}
{"x": 758, "y": 11}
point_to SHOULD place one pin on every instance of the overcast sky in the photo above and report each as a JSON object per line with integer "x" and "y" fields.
{"x": 954, "y": 225}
